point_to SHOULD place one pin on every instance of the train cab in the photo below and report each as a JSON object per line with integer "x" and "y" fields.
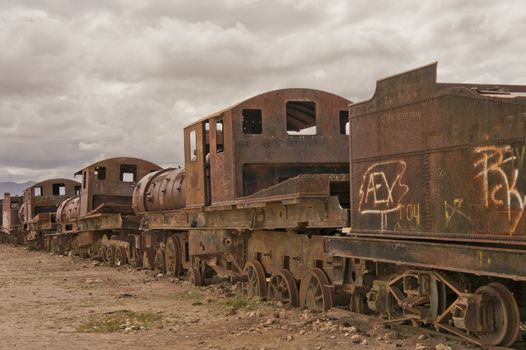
{"x": 263, "y": 141}
{"x": 107, "y": 185}
{"x": 10, "y": 224}
{"x": 41, "y": 200}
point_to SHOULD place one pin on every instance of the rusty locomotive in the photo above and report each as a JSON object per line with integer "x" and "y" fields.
{"x": 28, "y": 218}
{"x": 409, "y": 205}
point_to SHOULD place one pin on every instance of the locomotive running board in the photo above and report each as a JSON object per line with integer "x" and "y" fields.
{"x": 479, "y": 260}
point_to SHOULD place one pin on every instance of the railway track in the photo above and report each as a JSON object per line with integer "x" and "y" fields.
{"x": 399, "y": 324}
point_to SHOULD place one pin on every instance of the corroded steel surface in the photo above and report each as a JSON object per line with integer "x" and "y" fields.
{"x": 162, "y": 190}
{"x": 68, "y": 210}
{"x": 10, "y": 212}
{"x": 226, "y": 157}
{"x": 439, "y": 158}
{"x": 44, "y": 198}
{"x": 108, "y": 185}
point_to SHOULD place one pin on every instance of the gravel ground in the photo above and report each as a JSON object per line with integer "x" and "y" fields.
{"x": 57, "y": 302}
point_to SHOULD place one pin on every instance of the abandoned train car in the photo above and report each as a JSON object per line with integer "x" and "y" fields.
{"x": 37, "y": 214}
{"x": 276, "y": 162}
{"x": 437, "y": 201}
{"x": 102, "y": 209}
{"x": 10, "y": 230}
{"x": 408, "y": 205}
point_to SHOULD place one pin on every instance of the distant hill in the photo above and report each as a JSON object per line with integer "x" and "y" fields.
{"x": 14, "y": 188}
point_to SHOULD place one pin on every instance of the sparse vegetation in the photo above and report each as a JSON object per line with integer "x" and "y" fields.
{"x": 232, "y": 305}
{"x": 190, "y": 296}
{"x": 121, "y": 321}
{"x": 32, "y": 247}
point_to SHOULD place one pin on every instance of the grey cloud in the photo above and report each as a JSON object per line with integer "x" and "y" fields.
{"x": 84, "y": 80}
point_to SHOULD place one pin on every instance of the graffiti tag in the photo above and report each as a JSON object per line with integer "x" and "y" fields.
{"x": 382, "y": 189}
{"x": 498, "y": 175}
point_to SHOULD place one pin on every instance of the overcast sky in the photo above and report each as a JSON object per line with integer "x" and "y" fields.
{"x": 82, "y": 80}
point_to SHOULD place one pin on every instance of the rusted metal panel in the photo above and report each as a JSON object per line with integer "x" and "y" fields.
{"x": 69, "y": 210}
{"x": 162, "y": 190}
{"x": 485, "y": 261}
{"x": 439, "y": 158}
{"x": 101, "y": 222}
{"x": 221, "y": 158}
{"x": 44, "y": 198}
{"x": 258, "y": 153}
{"x": 306, "y": 201}
{"x": 305, "y": 213}
{"x": 195, "y": 158}
{"x": 110, "y": 183}
{"x": 10, "y": 212}
{"x": 292, "y": 251}
{"x": 105, "y": 200}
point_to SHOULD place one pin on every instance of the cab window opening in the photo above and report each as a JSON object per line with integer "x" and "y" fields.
{"x": 128, "y": 172}
{"x": 219, "y": 136}
{"x": 252, "y": 121}
{"x": 38, "y": 191}
{"x": 59, "y": 189}
{"x": 100, "y": 172}
{"x": 301, "y": 118}
{"x": 193, "y": 146}
{"x": 344, "y": 123}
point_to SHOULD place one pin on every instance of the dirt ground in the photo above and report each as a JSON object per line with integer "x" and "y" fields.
{"x": 58, "y": 302}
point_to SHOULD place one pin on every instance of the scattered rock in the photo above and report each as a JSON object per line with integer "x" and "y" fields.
{"x": 350, "y": 329}
{"x": 126, "y": 295}
{"x": 419, "y": 346}
{"x": 290, "y": 338}
{"x": 356, "y": 339}
{"x": 442, "y": 347}
{"x": 92, "y": 280}
{"x": 302, "y": 331}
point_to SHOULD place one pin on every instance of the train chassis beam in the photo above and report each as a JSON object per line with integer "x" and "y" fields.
{"x": 477, "y": 260}
{"x": 488, "y": 316}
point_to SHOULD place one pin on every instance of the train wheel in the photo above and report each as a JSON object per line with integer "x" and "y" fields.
{"x": 120, "y": 256}
{"x": 102, "y": 253}
{"x": 195, "y": 277}
{"x": 358, "y": 302}
{"x": 159, "y": 261}
{"x": 84, "y": 254}
{"x": 256, "y": 285}
{"x": 172, "y": 257}
{"x": 282, "y": 287}
{"x": 89, "y": 252}
{"x": 136, "y": 259}
{"x": 111, "y": 255}
{"x": 315, "y": 293}
{"x": 505, "y": 312}
{"x": 146, "y": 263}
